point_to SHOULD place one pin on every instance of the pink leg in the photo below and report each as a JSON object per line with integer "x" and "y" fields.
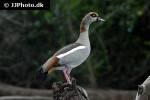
{"x": 66, "y": 76}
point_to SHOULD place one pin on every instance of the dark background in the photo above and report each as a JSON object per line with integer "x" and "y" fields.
{"x": 120, "y": 56}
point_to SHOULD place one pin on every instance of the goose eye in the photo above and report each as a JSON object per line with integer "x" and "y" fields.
{"x": 93, "y": 15}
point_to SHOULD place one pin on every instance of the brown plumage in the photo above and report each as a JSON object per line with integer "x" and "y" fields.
{"x": 50, "y": 64}
{"x": 48, "y": 67}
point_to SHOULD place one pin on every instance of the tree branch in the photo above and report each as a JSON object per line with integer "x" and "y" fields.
{"x": 13, "y": 90}
{"x": 9, "y": 90}
{"x": 143, "y": 92}
{"x": 25, "y": 98}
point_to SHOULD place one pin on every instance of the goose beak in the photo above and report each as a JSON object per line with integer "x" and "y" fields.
{"x": 100, "y": 19}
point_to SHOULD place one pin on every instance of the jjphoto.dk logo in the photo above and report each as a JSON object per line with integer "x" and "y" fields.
{"x": 25, "y": 5}
{"x": 39, "y": 4}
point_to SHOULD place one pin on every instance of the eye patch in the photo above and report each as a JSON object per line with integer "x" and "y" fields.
{"x": 93, "y": 15}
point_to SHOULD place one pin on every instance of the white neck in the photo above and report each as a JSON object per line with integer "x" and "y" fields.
{"x": 84, "y": 38}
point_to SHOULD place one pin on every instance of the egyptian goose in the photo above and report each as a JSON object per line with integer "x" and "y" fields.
{"x": 71, "y": 55}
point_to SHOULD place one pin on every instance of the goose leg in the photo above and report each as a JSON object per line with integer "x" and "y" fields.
{"x": 66, "y": 75}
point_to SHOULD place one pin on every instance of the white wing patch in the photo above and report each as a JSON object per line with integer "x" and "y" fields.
{"x": 71, "y": 51}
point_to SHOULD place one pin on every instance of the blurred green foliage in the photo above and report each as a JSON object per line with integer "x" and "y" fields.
{"x": 120, "y": 53}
